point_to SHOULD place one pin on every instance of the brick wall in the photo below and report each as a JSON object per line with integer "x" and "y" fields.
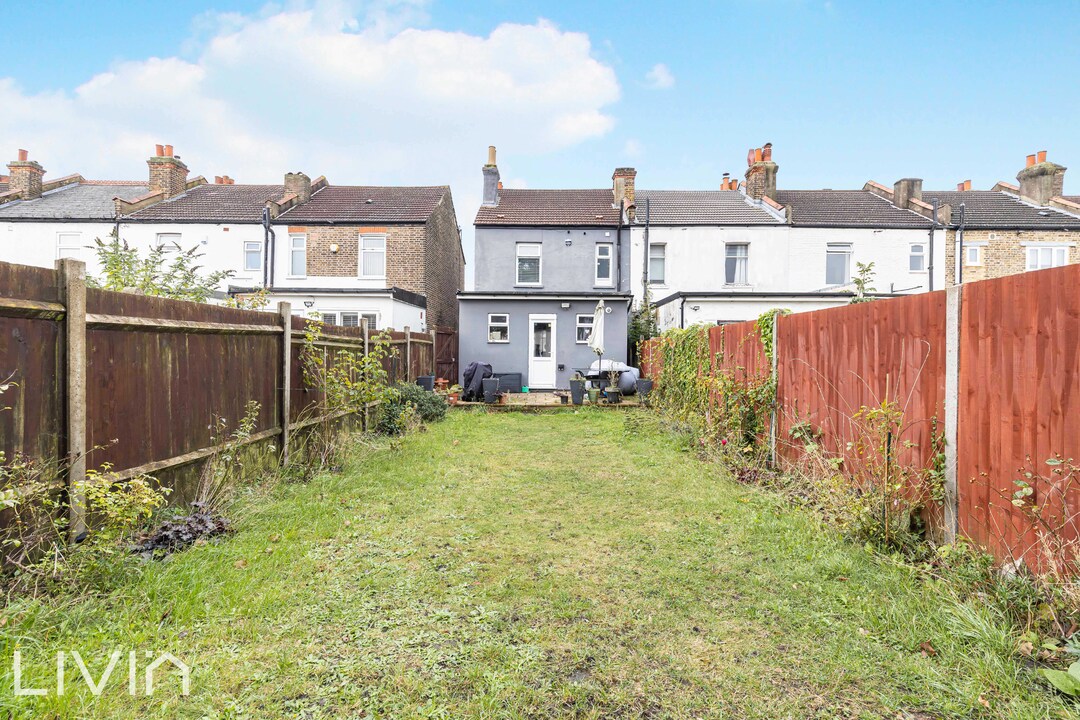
{"x": 1002, "y": 254}
{"x": 444, "y": 263}
{"x": 167, "y": 175}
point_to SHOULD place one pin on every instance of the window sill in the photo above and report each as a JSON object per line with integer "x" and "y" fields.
{"x": 738, "y": 286}
{"x": 528, "y": 286}
{"x": 296, "y": 277}
{"x": 370, "y": 277}
{"x": 498, "y": 342}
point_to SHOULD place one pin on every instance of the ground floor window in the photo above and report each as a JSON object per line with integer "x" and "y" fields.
{"x": 1040, "y": 258}
{"x": 498, "y": 328}
{"x": 973, "y": 255}
{"x": 584, "y": 328}
{"x": 351, "y": 318}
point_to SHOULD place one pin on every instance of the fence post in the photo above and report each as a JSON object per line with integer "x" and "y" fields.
{"x": 434, "y": 364}
{"x": 408, "y": 354}
{"x": 365, "y": 423}
{"x": 71, "y": 276}
{"x": 285, "y": 314}
{"x": 776, "y": 386}
{"x": 953, "y": 297}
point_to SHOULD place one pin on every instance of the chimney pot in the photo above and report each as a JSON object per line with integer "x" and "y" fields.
{"x": 766, "y": 152}
{"x": 491, "y": 155}
{"x": 1042, "y": 156}
{"x": 159, "y": 151}
{"x": 168, "y": 151}
{"x": 24, "y": 155}
{"x": 1030, "y": 160}
{"x": 960, "y": 186}
{"x": 217, "y": 180}
{"x": 967, "y": 185}
{"x": 757, "y": 155}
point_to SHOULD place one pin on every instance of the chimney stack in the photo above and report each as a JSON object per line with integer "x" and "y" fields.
{"x": 168, "y": 174}
{"x": 622, "y": 186}
{"x": 25, "y": 176}
{"x": 491, "y": 179}
{"x": 906, "y": 190}
{"x": 1041, "y": 180}
{"x": 296, "y": 183}
{"x": 761, "y": 173}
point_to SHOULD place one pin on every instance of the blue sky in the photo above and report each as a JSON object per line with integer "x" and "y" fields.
{"x": 846, "y": 90}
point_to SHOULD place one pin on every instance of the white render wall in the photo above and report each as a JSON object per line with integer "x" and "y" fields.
{"x": 37, "y": 243}
{"x": 391, "y": 313}
{"x": 721, "y": 310}
{"x": 782, "y": 258}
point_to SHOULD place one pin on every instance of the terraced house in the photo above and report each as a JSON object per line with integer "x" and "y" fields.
{"x": 390, "y": 257}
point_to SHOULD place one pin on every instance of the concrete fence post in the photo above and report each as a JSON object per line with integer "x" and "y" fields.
{"x": 71, "y": 277}
{"x": 285, "y": 315}
{"x": 953, "y": 298}
{"x": 776, "y": 386}
{"x": 365, "y": 422}
{"x": 434, "y": 364}
{"x": 408, "y": 354}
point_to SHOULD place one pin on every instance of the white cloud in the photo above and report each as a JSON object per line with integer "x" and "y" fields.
{"x": 362, "y": 93}
{"x": 632, "y": 148}
{"x": 659, "y": 77}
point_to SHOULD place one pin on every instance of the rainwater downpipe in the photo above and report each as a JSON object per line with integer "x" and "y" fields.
{"x": 960, "y": 246}
{"x": 269, "y": 241}
{"x": 933, "y": 230}
{"x": 645, "y": 264}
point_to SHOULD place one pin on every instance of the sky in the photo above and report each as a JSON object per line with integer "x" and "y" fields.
{"x": 412, "y": 92}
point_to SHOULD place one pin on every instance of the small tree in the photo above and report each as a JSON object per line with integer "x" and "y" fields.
{"x": 167, "y": 271}
{"x": 864, "y": 275}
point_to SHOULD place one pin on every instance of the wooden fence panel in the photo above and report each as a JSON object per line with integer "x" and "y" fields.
{"x": 737, "y": 349}
{"x": 1019, "y": 403}
{"x": 833, "y": 362}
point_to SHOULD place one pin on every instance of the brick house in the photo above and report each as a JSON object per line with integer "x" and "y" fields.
{"x": 387, "y": 256}
{"x": 1007, "y": 229}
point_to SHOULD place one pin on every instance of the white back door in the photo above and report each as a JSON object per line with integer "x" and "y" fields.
{"x": 542, "y": 352}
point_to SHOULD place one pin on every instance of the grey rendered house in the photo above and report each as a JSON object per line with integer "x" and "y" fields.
{"x": 543, "y": 260}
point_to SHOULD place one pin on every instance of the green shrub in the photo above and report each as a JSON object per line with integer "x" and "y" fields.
{"x": 406, "y": 404}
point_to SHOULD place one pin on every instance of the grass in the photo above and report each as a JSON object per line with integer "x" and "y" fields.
{"x": 529, "y": 566}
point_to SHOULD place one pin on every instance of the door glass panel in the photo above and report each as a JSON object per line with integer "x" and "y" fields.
{"x": 542, "y": 340}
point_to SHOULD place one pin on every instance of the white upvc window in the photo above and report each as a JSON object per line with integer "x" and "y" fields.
{"x": 604, "y": 275}
{"x": 529, "y": 264}
{"x": 329, "y": 318}
{"x": 1047, "y": 256}
{"x": 70, "y": 245}
{"x": 917, "y": 258}
{"x": 252, "y": 255}
{"x": 838, "y": 264}
{"x": 657, "y": 263}
{"x": 736, "y": 264}
{"x": 168, "y": 241}
{"x": 498, "y": 328}
{"x": 584, "y": 328}
{"x": 973, "y": 256}
{"x": 298, "y": 256}
{"x": 373, "y": 256}
{"x": 350, "y": 319}
{"x": 371, "y": 319}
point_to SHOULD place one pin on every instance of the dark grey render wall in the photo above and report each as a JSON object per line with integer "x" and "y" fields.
{"x": 514, "y": 356}
{"x": 563, "y": 268}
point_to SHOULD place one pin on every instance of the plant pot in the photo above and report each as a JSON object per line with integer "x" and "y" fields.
{"x": 644, "y": 387}
{"x": 491, "y": 389}
{"x": 613, "y": 396}
{"x": 564, "y": 399}
{"x": 442, "y": 384}
{"x": 594, "y": 395}
{"x": 427, "y": 382}
{"x": 453, "y": 398}
{"x": 577, "y": 391}
{"x": 504, "y": 398}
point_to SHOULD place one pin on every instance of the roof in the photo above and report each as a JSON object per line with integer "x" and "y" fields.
{"x": 77, "y": 201}
{"x": 700, "y": 207}
{"x": 213, "y": 203}
{"x": 847, "y": 208}
{"x": 591, "y": 208}
{"x": 359, "y": 204}
{"x": 332, "y": 204}
{"x": 1072, "y": 198}
{"x": 1000, "y": 210}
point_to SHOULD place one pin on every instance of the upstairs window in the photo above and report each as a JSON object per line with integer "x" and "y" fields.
{"x": 973, "y": 255}
{"x": 584, "y": 328}
{"x": 657, "y": 263}
{"x": 498, "y": 328}
{"x": 372, "y": 256}
{"x": 528, "y": 263}
{"x": 298, "y": 255}
{"x": 168, "y": 241}
{"x": 70, "y": 245}
{"x": 1040, "y": 258}
{"x": 252, "y": 255}
{"x": 736, "y": 260}
{"x": 603, "y": 264}
{"x": 838, "y": 264}
{"x": 917, "y": 259}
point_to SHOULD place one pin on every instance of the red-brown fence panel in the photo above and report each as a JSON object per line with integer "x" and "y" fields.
{"x": 1019, "y": 403}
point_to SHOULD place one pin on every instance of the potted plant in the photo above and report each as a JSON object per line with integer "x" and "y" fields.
{"x": 453, "y": 394}
{"x": 491, "y": 389}
{"x": 441, "y": 384}
{"x": 594, "y": 395}
{"x": 612, "y": 393}
{"x": 504, "y": 398}
{"x": 577, "y": 388}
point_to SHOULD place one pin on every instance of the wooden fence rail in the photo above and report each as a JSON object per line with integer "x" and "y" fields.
{"x": 137, "y": 382}
{"x": 992, "y": 368}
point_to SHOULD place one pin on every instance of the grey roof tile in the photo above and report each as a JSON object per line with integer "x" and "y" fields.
{"x": 846, "y": 208}
{"x": 78, "y": 201}
{"x": 700, "y": 207}
{"x": 1000, "y": 210}
{"x": 551, "y": 208}
{"x": 360, "y": 204}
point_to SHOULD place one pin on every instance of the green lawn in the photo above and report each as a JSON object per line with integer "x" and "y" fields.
{"x": 512, "y": 565}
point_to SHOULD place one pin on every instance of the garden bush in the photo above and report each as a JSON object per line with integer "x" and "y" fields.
{"x": 406, "y": 404}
